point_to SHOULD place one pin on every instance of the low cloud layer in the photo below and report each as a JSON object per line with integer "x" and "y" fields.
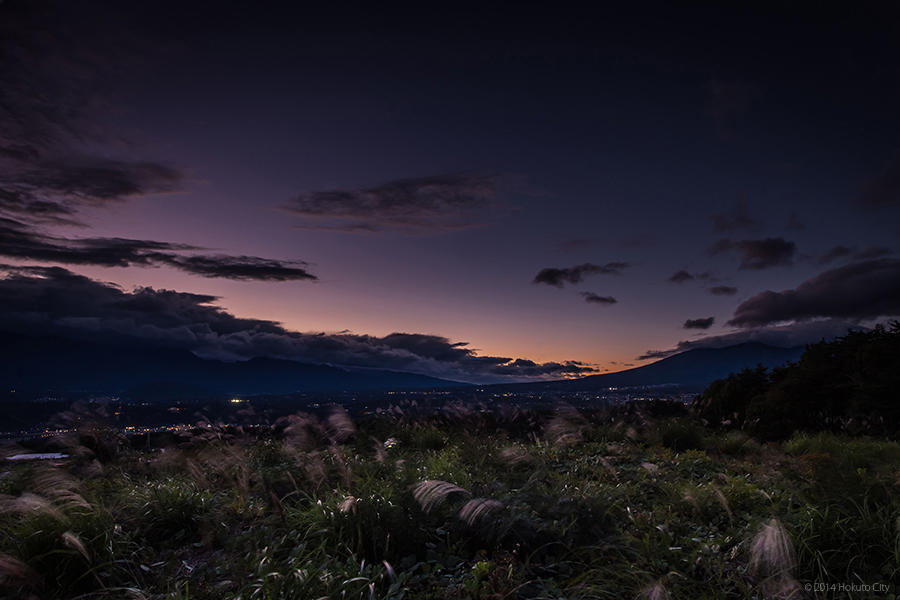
{"x": 53, "y": 300}
{"x": 559, "y": 277}
{"x": 19, "y": 241}
{"x": 592, "y": 298}
{"x": 704, "y": 323}
{"x": 860, "y": 290}
{"x": 759, "y": 254}
{"x": 416, "y": 205}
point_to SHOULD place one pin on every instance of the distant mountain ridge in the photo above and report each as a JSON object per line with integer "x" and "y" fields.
{"x": 56, "y": 364}
{"x": 697, "y": 367}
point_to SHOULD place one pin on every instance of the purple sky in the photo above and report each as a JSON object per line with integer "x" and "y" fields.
{"x": 414, "y": 171}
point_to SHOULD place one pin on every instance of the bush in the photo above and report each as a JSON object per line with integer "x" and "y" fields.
{"x": 169, "y": 512}
{"x": 680, "y": 434}
{"x": 847, "y": 385}
{"x": 726, "y": 401}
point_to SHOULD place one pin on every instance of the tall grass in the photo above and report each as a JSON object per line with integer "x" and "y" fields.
{"x": 462, "y": 503}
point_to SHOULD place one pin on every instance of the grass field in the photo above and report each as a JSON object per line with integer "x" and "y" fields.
{"x": 460, "y": 504}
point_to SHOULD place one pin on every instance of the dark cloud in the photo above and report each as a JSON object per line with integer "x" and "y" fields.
{"x": 860, "y": 290}
{"x": 51, "y": 109}
{"x": 684, "y": 275}
{"x": 723, "y": 290}
{"x": 834, "y": 253}
{"x": 50, "y": 79}
{"x": 759, "y": 254}
{"x": 837, "y": 252}
{"x": 53, "y": 300}
{"x": 738, "y": 218}
{"x": 246, "y": 268}
{"x": 19, "y": 241}
{"x": 24, "y": 206}
{"x": 873, "y": 252}
{"x": 526, "y": 368}
{"x": 421, "y": 204}
{"x": 573, "y": 275}
{"x": 657, "y": 354}
{"x": 704, "y": 323}
{"x": 592, "y": 298}
{"x": 770, "y": 252}
{"x": 787, "y": 336}
{"x": 884, "y": 188}
{"x": 99, "y": 180}
{"x": 681, "y": 276}
{"x": 55, "y": 191}
{"x": 51, "y": 106}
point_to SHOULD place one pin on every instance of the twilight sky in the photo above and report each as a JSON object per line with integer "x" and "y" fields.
{"x": 477, "y": 192}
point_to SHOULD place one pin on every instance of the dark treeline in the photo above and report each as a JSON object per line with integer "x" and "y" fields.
{"x": 848, "y": 385}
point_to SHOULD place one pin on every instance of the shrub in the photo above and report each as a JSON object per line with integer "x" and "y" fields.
{"x": 680, "y": 434}
{"x": 170, "y": 512}
{"x": 726, "y": 401}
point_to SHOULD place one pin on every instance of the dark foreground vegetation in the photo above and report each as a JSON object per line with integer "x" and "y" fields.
{"x": 648, "y": 500}
{"x": 850, "y": 385}
{"x": 463, "y": 504}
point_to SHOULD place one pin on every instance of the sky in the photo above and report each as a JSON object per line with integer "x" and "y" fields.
{"x": 482, "y": 192}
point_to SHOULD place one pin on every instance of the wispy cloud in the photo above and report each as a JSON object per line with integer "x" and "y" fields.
{"x": 416, "y": 205}
{"x": 54, "y": 192}
{"x": 723, "y": 290}
{"x": 558, "y": 277}
{"x": 684, "y": 275}
{"x": 50, "y": 113}
{"x": 50, "y": 106}
{"x": 839, "y": 251}
{"x": 704, "y": 323}
{"x": 592, "y": 298}
{"x": 22, "y": 242}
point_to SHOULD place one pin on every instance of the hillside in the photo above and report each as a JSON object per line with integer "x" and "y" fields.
{"x": 693, "y": 368}
{"x": 55, "y": 364}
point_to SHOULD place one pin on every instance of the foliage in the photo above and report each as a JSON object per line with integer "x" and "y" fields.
{"x": 848, "y": 385}
{"x": 457, "y": 505}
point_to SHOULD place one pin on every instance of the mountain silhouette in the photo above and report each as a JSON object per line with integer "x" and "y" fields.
{"x": 692, "y": 368}
{"x": 58, "y": 364}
